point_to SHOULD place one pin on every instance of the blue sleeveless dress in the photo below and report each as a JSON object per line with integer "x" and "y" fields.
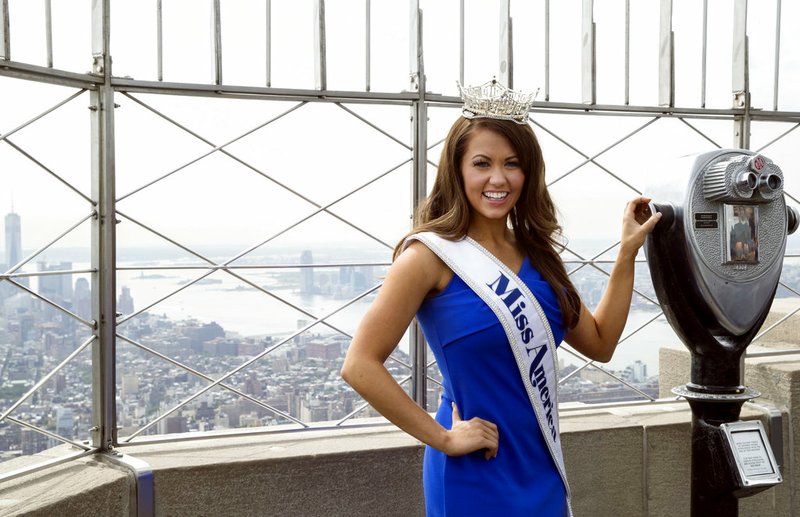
{"x": 481, "y": 376}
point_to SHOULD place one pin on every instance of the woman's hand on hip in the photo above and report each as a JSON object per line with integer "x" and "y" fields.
{"x": 471, "y": 435}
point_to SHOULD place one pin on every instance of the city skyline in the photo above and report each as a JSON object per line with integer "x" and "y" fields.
{"x": 297, "y": 380}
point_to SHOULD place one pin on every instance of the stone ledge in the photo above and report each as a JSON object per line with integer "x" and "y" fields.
{"x": 372, "y": 470}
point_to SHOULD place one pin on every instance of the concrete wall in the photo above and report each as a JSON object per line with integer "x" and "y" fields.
{"x": 631, "y": 460}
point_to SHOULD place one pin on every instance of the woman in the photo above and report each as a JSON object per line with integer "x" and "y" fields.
{"x": 493, "y": 448}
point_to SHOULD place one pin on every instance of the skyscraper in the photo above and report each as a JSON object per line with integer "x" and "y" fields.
{"x": 56, "y": 287}
{"x": 13, "y": 250}
{"x": 307, "y": 273}
{"x": 125, "y": 301}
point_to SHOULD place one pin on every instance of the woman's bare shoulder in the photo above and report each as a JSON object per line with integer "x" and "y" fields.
{"x": 419, "y": 261}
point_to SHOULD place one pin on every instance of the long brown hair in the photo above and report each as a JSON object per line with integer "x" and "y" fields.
{"x": 446, "y": 211}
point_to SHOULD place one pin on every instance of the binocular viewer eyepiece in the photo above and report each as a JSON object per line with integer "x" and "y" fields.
{"x": 721, "y": 239}
{"x": 742, "y": 177}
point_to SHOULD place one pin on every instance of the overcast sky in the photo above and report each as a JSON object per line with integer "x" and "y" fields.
{"x": 323, "y": 151}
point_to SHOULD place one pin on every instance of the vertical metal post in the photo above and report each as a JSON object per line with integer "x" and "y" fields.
{"x": 461, "y": 42}
{"x": 547, "y": 50}
{"x": 741, "y": 79}
{"x": 5, "y": 35}
{"x": 415, "y": 47}
{"x": 588, "y": 57}
{"x": 627, "y": 52}
{"x": 506, "y": 75}
{"x": 217, "y": 24}
{"x": 418, "y": 347}
{"x": 48, "y": 31}
{"x": 320, "y": 71}
{"x": 666, "y": 57}
{"x": 159, "y": 41}
{"x": 104, "y": 431}
{"x": 268, "y": 38}
{"x": 777, "y": 55}
{"x": 368, "y": 44}
{"x": 705, "y": 53}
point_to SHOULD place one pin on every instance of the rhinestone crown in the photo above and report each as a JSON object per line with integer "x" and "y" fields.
{"x": 493, "y": 100}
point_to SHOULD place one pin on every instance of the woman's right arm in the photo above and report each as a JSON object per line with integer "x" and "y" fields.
{"x": 414, "y": 274}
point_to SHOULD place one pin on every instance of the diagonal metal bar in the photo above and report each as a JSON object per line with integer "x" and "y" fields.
{"x": 654, "y": 302}
{"x": 47, "y": 273}
{"x": 232, "y": 273}
{"x": 642, "y": 326}
{"x": 169, "y": 295}
{"x": 325, "y": 209}
{"x": 393, "y": 358}
{"x": 682, "y": 119}
{"x": 777, "y": 138}
{"x": 30, "y": 469}
{"x": 771, "y": 327}
{"x": 588, "y": 261}
{"x": 268, "y": 177}
{"x": 373, "y": 126}
{"x": 41, "y": 115}
{"x": 786, "y": 317}
{"x": 577, "y": 370}
{"x": 48, "y": 433}
{"x": 365, "y": 405}
{"x": 434, "y": 380}
{"x": 607, "y": 372}
{"x": 436, "y": 165}
{"x": 46, "y": 246}
{"x": 431, "y": 146}
{"x": 47, "y": 377}
{"x": 210, "y": 379}
{"x": 592, "y": 158}
{"x": 49, "y": 171}
{"x": 291, "y": 226}
{"x": 212, "y": 151}
{"x": 791, "y": 197}
{"x": 591, "y": 262}
{"x": 252, "y": 360}
{"x": 90, "y": 324}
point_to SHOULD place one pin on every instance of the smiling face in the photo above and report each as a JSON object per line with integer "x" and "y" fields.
{"x": 492, "y": 174}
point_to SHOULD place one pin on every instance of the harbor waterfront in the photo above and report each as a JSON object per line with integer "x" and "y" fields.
{"x": 258, "y": 323}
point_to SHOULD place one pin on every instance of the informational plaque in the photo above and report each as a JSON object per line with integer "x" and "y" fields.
{"x": 752, "y": 452}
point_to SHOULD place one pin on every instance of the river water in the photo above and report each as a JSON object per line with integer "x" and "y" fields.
{"x": 241, "y": 308}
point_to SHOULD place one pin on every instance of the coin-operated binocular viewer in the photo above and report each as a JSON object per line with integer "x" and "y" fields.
{"x": 715, "y": 259}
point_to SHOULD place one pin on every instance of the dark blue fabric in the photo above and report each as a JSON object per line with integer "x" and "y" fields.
{"x": 481, "y": 376}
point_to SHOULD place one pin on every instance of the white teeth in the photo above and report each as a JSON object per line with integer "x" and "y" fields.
{"x": 495, "y": 195}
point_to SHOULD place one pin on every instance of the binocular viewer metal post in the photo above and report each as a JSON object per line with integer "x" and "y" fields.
{"x": 715, "y": 259}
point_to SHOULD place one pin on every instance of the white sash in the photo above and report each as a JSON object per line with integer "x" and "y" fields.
{"x": 524, "y": 322}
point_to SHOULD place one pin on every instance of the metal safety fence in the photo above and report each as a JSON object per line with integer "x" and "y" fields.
{"x": 212, "y": 200}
